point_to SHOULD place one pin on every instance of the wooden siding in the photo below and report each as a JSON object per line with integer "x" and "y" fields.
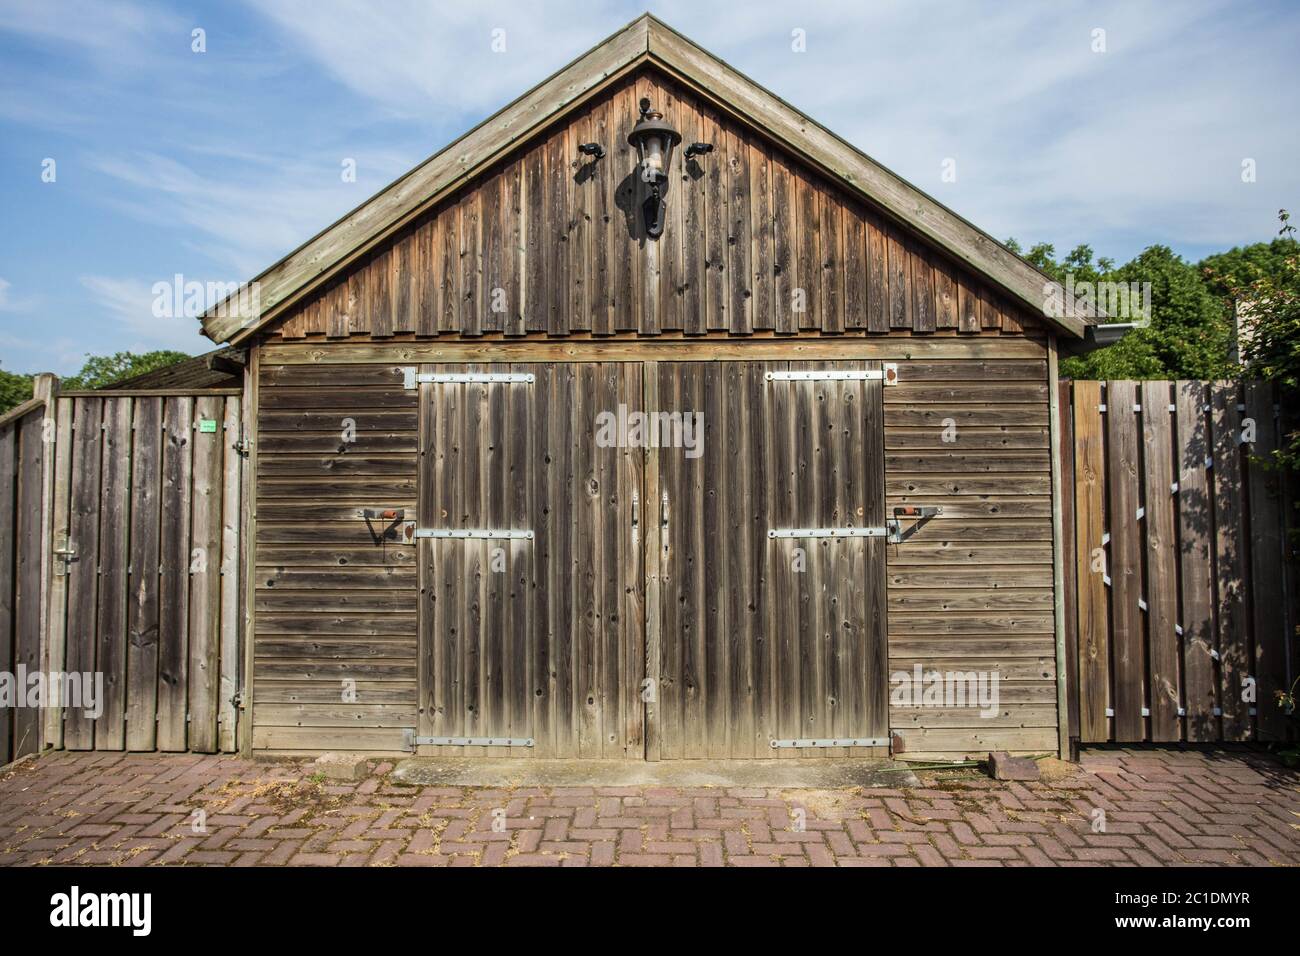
{"x": 551, "y": 242}
{"x": 335, "y": 597}
{"x": 971, "y": 590}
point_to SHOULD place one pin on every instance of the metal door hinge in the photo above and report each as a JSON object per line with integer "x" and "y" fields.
{"x": 806, "y": 742}
{"x": 888, "y": 373}
{"x": 412, "y": 741}
{"x": 879, "y": 532}
{"x": 411, "y": 378}
{"x": 507, "y": 533}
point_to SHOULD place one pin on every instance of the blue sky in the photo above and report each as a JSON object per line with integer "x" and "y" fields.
{"x": 214, "y": 164}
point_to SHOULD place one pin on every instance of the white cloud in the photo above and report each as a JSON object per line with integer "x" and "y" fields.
{"x": 8, "y": 303}
{"x": 129, "y": 304}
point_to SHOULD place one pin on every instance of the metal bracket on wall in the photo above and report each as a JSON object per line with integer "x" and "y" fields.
{"x": 411, "y": 377}
{"x": 922, "y": 514}
{"x": 804, "y": 742}
{"x": 392, "y": 517}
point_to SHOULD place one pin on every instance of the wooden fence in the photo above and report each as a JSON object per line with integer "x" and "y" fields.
{"x": 24, "y": 449}
{"x": 123, "y": 510}
{"x": 1180, "y": 595}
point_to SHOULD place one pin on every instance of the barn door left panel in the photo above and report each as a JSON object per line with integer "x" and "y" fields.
{"x": 531, "y": 634}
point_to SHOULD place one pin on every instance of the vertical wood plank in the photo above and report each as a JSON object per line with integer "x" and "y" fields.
{"x": 8, "y": 537}
{"x": 785, "y": 261}
{"x": 173, "y": 624}
{"x": 1196, "y": 580}
{"x": 739, "y": 248}
{"x": 1068, "y": 554}
{"x": 856, "y": 264}
{"x": 1161, "y": 562}
{"x": 1230, "y": 558}
{"x": 143, "y": 606}
{"x": 231, "y": 481}
{"x": 83, "y": 570}
{"x": 1123, "y": 479}
{"x": 64, "y": 443}
{"x": 761, "y": 234}
{"x": 205, "y": 578}
{"x": 28, "y": 597}
{"x": 878, "y": 281}
{"x": 653, "y": 546}
{"x": 832, "y": 261}
{"x": 1093, "y": 618}
{"x": 1267, "y": 557}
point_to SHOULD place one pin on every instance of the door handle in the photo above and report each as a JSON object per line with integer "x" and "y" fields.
{"x": 636, "y": 516}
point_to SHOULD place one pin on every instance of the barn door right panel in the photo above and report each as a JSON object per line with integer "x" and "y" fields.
{"x": 765, "y": 638}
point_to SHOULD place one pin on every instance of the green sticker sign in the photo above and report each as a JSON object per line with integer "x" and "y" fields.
{"x": 207, "y": 425}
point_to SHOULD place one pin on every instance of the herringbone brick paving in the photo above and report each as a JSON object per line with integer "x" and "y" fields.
{"x": 1156, "y": 807}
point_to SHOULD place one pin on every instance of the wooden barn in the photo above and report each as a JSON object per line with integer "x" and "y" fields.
{"x": 647, "y": 420}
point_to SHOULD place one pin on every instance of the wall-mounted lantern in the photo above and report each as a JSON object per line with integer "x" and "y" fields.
{"x": 654, "y": 141}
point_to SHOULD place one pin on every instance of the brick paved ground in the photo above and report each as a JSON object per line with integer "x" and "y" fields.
{"x": 1160, "y": 807}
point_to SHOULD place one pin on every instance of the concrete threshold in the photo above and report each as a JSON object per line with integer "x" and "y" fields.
{"x": 828, "y": 774}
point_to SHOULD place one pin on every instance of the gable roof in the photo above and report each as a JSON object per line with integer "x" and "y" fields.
{"x": 646, "y": 40}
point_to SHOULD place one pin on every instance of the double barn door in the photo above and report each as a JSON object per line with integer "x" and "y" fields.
{"x": 613, "y": 559}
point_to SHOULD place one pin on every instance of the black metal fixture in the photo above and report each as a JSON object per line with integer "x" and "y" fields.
{"x": 654, "y": 141}
{"x": 698, "y": 149}
{"x": 594, "y": 150}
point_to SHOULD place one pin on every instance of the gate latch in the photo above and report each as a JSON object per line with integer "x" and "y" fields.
{"x": 65, "y": 552}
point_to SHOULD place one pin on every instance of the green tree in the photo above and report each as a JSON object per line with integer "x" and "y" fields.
{"x": 14, "y": 389}
{"x": 101, "y": 370}
{"x": 1227, "y": 273}
{"x": 1189, "y": 334}
{"x": 1270, "y": 331}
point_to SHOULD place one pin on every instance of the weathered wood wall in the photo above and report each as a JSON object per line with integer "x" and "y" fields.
{"x": 24, "y": 451}
{"x": 335, "y": 599}
{"x": 971, "y": 591}
{"x": 1183, "y": 586}
{"x": 148, "y": 503}
{"x": 549, "y": 241}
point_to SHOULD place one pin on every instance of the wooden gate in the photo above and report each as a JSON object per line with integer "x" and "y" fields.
{"x": 535, "y": 637}
{"x": 145, "y": 578}
{"x": 761, "y": 638}
{"x": 1180, "y": 591}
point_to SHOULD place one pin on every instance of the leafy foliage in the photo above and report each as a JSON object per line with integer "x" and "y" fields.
{"x": 1189, "y": 335}
{"x": 101, "y": 370}
{"x": 1270, "y": 327}
{"x": 14, "y": 389}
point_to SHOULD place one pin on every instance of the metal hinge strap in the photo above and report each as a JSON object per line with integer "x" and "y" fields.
{"x": 880, "y": 532}
{"x": 473, "y": 533}
{"x": 411, "y": 378}
{"x": 803, "y": 742}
